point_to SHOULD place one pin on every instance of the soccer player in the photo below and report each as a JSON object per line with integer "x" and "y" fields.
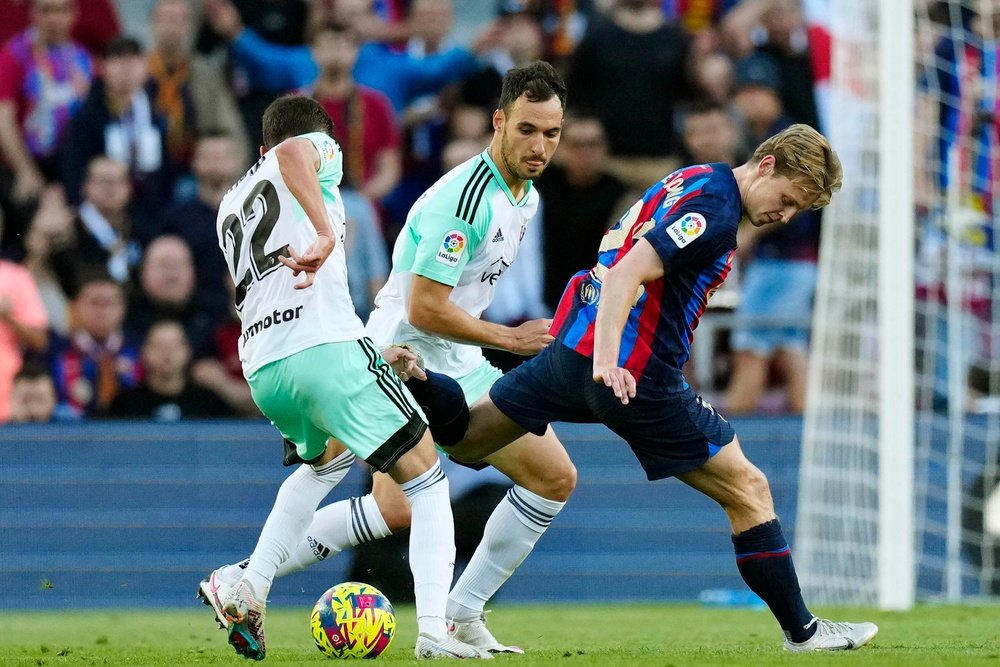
{"x": 316, "y": 376}
{"x": 623, "y": 331}
{"x": 459, "y": 238}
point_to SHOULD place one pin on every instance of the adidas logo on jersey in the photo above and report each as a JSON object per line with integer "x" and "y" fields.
{"x": 498, "y": 238}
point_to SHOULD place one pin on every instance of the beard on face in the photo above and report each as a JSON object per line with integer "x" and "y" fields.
{"x": 515, "y": 166}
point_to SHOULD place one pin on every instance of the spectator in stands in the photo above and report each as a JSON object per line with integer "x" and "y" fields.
{"x": 425, "y": 115}
{"x": 218, "y": 161}
{"x": 631, "y": 69}
{"x": 93, "y": 28}
{"x": 520, "y": 42}
{"x": 712, "y": 134}
{"x": 51, "y": 228}
{"x": 188, "y": 89}
{"x": 401, "y": 76}
{"x": 757, "y": 96}
{"x": 97, "y": 359}
{"x": 33, "y": 398}
{"x": 363, "y": 118}
{"x": 280, "y": 22}
{"x": 44, "y": 77}
{"x": 166, "y": 290}
{"x": 118, "y": 119}
{"x": 385, "y": 21}
{"x": 166, "y": 392}
{"x": 778, "y": 29}
{"x": 779, "y": 269}
{"x": 102, "y": 235}
{"x": 563, "y": 23}
{"x": 22, "y": 325}
{"x": 220, "y": 369}
{"x": 580, "y": 201}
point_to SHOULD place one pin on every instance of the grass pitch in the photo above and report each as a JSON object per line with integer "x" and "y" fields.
{"x": 637, "y": 635}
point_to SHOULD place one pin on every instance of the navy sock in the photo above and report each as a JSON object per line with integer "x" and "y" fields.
{"x": 443, "y": 401}
{"x": 765, "y": 563}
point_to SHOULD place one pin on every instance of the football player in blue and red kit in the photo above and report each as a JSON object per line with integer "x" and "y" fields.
{"x": 623, "y": 331}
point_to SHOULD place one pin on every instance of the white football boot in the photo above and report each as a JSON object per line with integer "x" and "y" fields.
{"x": 429, "y": 648}
{"x": 477, "y": 634}
{"x": 833, "y": 636}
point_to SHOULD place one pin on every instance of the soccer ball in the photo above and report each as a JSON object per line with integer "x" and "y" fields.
{"x": 353, "y": 620}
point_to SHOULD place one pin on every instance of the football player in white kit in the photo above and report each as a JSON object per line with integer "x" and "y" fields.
{"x": 458, "y": 239}
{"x": 316, "y": 376}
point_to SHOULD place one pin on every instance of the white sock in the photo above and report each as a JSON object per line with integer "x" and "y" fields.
{"x": 293, "y": 510}
{"x": 432, "y": 548}
{"x": 510, "y": 535}
{"x": 336, "y": 527}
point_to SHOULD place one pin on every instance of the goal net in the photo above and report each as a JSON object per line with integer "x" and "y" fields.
{"x": 900, "y": 484}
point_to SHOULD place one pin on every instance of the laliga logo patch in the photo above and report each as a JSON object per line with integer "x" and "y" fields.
{"x": 328, "y": 151}
{"x": 451, "y": 248}
{"x": 687, "y": 229}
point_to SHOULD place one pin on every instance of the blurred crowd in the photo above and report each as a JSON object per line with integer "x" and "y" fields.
{"x": 116, "y": 150}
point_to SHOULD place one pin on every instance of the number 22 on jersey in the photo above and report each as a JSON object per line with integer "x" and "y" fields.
{"x": 255, "y": 219}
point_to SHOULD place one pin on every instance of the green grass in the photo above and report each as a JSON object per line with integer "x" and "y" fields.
{"x": 552, "y": 635}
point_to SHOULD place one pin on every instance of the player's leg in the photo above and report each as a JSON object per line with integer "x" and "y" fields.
{"x": 544, "y": 478}
{"x": 509, "y": 429}
{"x": 348, "y": 523}
{"x": 432, "y": 548}
{"x": 762, "y": 553}
{"x": 277, "y": 389}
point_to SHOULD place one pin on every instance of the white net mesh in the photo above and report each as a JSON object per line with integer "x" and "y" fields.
{"x": 957, "y": 344}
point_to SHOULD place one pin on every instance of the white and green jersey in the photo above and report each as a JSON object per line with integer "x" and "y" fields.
{"x": 258, "y": 220}
{"x": 464, "y": 231}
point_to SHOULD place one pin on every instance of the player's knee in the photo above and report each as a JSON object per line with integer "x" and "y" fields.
{"x": 559, "y": 482}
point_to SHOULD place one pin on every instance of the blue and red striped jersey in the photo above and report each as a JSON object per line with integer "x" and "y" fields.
{"x": 690, "y": 218}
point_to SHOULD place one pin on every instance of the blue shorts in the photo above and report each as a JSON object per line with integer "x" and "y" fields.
{"x": 670, "y": 432}
{"x": 778, "y": 289}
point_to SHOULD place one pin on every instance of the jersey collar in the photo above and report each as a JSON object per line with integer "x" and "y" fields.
{"x": 529, "y": 185}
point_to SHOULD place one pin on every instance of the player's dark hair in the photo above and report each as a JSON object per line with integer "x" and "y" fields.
{"x": 539, "y": 82}
{"x": 292, "y": 115}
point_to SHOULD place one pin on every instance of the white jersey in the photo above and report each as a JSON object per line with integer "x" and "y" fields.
{"x": 258, "y": 220}
{"x": 464, "y": 231}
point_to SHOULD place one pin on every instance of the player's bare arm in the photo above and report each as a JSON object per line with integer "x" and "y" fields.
{"x": 640, "y": 265}
{"x": 298, "y": 162}
{"x": 432, "y": 310}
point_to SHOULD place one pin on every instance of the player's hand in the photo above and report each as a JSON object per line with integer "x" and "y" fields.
{"x": 621, "y": 382}
{"x": 405, "y": 363}
{"x": 310, "y": 261}
{"x": 532, "y": 337}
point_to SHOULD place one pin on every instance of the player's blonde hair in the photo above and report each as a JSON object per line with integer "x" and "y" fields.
{"x": 805, "y": 157}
